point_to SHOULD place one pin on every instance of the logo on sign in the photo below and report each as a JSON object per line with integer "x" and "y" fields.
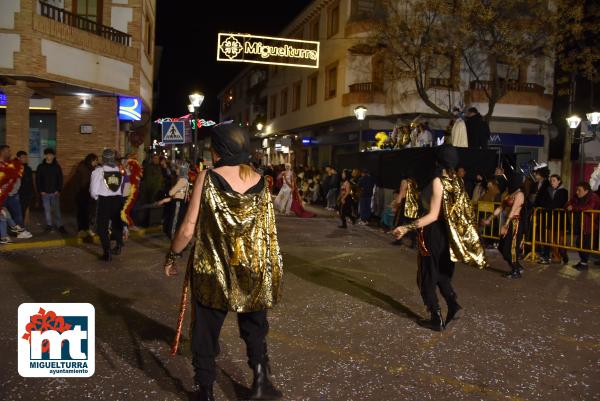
{"x": 246, "y": 48}
{"x": 130, "y": 108}
{"x": 56, "y": 340}
{"x": 173, "y": 132}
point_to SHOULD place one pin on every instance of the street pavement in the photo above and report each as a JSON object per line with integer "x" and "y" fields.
{"x": 345, "y": 330}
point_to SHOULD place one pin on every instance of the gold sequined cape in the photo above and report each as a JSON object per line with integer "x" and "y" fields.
{"x": 465, "y": 245}
{"x": 411, "y": 204}
{"x": 236, "y": 263}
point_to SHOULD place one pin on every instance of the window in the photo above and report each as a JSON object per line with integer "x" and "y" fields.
{"x": 296, "y": 95}
{"x": 311, "y": 89}
{"x": 273, "y": 106}
{"x": 331, "y": 81}
{"x": 148, "y": 38}
{"x": 313, "y": 33}
{"x": 89, "y": 9}
{"x": 333, "y": 20}
{"x": 284, "y": 101}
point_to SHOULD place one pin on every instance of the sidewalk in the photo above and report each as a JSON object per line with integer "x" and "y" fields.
{"x": 42, "y": 239}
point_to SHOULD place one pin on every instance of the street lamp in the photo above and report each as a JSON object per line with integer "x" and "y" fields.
{"x": 361, "y": 113}
{"x": 196, "y": 100}
{"x": 259, "y": 126}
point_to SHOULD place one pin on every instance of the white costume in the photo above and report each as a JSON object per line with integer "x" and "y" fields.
{"x": 459, "y": 134}
{"x": 283, "y": 201}
{"x": 595, "y": 178}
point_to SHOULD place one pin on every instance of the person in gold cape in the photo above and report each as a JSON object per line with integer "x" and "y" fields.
{"x": 446, "y": 234}
{"x": 235, "y": 263}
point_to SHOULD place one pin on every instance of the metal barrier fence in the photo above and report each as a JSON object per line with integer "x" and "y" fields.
{"x": 558, "y": 228}
{"x": 485, "y": 210}
{"x": 575, "y": 231}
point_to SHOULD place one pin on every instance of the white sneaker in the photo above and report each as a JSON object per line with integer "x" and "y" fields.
{"x": 24, "y": 235}
{"x": 5, "y": 240}
{"x": 17, "y": 229}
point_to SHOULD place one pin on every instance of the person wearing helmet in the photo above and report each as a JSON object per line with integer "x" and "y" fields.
{"x": 106, "y": 188}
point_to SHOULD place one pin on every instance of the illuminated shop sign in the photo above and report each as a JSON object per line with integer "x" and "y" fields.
{"x": 2, "y": 99}
{"x": 244, "y": 48}
{"x": 130, "y": 108}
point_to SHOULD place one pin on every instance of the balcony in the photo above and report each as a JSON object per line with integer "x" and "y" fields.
{"x": 510, "y": 86}
{"x": 518, "y": 93}
{"x": 364, "y": 92}
{"x": 68, "y": 18}
{"x": 441, "y": 83}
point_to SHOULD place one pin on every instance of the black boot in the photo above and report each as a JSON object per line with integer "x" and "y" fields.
{"x": 435, "y": 322}
{"x": 106, "y": 256}
{"x": 262, "y": 388}
{"x": 203, "y": 393}
{"x": 117, "y": 249}
{"x": 453, "y": 308}
{"x": 515, "y": 272}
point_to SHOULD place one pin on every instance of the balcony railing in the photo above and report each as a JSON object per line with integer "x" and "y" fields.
{"x": 366, "y": 87}
{"x": 68, "y": 18}
{"x": 510, "y": 86}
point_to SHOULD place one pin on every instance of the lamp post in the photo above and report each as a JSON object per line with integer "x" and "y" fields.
{"x": 573, "y": 123}
{"x": 361, "y": 113}
{"x": 196, "y": 100}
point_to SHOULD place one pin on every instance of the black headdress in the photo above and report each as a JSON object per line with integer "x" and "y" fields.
{"x": 231, "y": 142}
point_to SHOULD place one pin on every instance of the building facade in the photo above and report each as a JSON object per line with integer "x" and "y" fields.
{"x": 73, "y": 75}
{"x": 314, "y": 109}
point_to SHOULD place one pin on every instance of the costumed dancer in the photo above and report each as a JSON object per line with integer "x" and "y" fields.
{"x": 177, "y": 200}
{"x": 283, "y": 201}
{"x": 235, "y": 263}
{"x": 447, "y": 234}
{"x": 106, "y": 188}
{"x": 346, "y": 200}
{"x": 511, "y": 232}
{"x": 134, "y": 173}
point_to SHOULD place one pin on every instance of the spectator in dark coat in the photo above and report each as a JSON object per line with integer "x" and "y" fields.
{"x": 556, "y": 198}
{"x": 478, "y": 131}
{"x": 27, "y": 190}
{"x": 49, "y": 180}
{"x": 366, "y": 183}
{"x": 583, "y": 200}
{"x": 83, "y": 200}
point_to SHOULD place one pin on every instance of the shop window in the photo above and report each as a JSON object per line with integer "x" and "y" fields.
{"x": 42, "y": 135}
{"x": 331, "y": 81}
{"x": 284, "y": 101}
{"x": 296, "y": 95}
{"x": 333, "y": 19}
{"x": 311, "y": 89}
{"x": 273, "y": 106}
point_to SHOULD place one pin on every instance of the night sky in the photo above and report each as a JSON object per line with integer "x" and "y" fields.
{"x": 188, "y": 36}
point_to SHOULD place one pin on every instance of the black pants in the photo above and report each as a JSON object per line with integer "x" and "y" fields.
{"x": 84, "y": 201}
{"x": 347, "y": 210}
{"x": 510, "y": 244}
{"x": 205, "y": 339}
{"x": 109, "y": 211}
{"x": 586, "y": 243}
{"x": 436, "y": 269}
{"x": 174, "y": 214}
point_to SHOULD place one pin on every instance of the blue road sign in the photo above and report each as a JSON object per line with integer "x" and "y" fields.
{"x": 173, "y": 133}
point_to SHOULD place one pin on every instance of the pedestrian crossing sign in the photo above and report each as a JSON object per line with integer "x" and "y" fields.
{"x": 173, "y": 133}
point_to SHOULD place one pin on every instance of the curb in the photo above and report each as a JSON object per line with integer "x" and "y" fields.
{"x": 72, "y": 241}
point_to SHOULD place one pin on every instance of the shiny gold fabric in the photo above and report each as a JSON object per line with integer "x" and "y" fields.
{"x": 237, "y": 263}
{"x": 465, "y": 245}
{"x": 411, "y": 204}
